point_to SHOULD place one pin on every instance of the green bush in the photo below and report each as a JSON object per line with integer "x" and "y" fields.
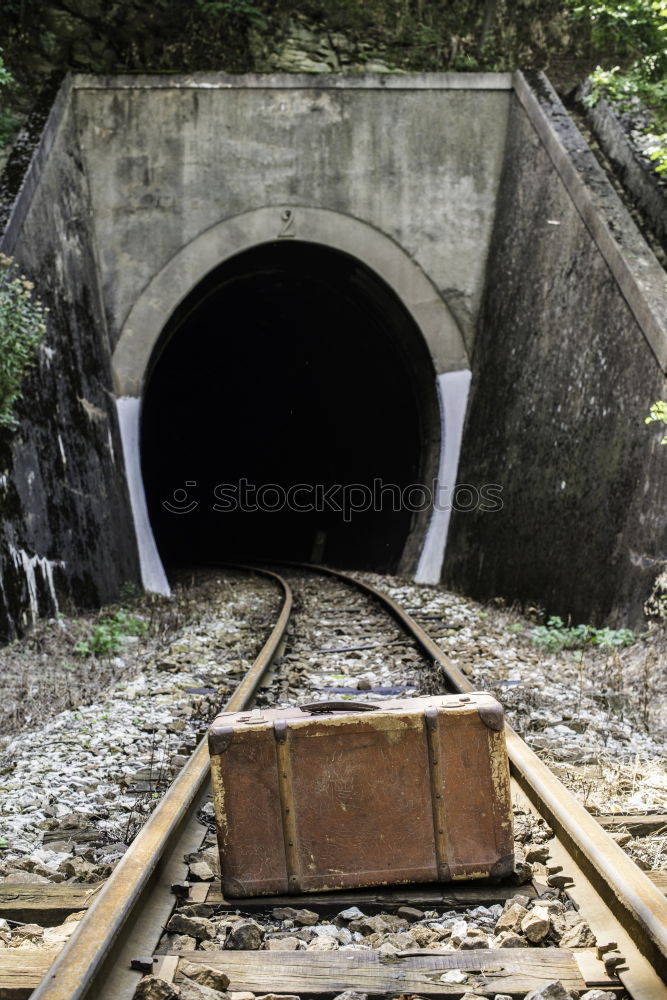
{"x": 634, "y": 33}
{"x": 8, "y": 120}
{"x": 556, "y": 635}
{"x": 22, "y": 327}
{"x": 106, "y": 636}
{"x": 245, "y": 10}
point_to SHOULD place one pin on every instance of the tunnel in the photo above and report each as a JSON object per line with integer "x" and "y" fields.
{"x": 290, "y": 412}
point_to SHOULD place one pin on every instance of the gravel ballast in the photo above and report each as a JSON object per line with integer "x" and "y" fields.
{"x": 75, "y": 790}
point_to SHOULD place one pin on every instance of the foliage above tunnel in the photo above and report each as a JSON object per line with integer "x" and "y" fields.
{"x": 235, "y": 35}
{"x": 632, "y": 37}
{"x": 625, "y": 39}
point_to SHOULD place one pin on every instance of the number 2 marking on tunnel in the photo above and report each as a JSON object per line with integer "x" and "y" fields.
{"x": 287, "y": 218}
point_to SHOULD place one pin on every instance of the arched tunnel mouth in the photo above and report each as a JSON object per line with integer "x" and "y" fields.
{"x": 290, "y": 412}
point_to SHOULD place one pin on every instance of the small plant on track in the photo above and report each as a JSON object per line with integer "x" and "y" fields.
{"x": 107, "y": 635}
{"x": 556, "y": 635}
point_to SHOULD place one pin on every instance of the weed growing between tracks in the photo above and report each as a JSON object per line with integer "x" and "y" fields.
{"x": 66, "y": 661}
{"x": 76, "y": 788}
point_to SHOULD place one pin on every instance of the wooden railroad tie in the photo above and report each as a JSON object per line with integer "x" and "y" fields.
{"x": 514, "y": 971}
{"x": 49, "y": 905}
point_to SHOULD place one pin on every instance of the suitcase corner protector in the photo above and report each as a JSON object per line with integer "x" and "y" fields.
{"x": 492, "y": 716}
{"x": 503, "y": 868}
{"x": 219, "y": 739}
{"x": 233, "y": 888}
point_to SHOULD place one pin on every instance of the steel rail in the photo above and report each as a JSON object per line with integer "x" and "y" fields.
{"x": 617, "y": 898}
{"x": 84, "y": 967}
{"x": 637, "y": 905}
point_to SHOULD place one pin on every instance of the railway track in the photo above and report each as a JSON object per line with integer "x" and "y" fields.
{"x": 115, "y": 942}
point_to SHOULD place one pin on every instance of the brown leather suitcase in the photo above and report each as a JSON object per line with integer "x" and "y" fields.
{"x": 339, "y": 795}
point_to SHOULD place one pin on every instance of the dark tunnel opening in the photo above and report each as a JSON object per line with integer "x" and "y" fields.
{"x": 290, "y": 378}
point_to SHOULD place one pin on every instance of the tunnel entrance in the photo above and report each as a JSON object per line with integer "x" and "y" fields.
{"x": 290, "y": 405}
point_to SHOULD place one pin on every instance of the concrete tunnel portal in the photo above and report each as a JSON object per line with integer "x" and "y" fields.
{"x": 288, "y": 387}
{"x": 426, "y": 209}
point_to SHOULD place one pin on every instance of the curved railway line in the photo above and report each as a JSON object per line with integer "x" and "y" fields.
{"x": 114, "y": 943}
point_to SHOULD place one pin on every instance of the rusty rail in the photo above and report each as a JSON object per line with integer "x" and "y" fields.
{"x": 92, "y": 964}
{"x": 620, "y": 902}
{"x": 633, "y": 902}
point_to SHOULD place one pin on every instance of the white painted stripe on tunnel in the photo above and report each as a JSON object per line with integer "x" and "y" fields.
{"x": 453, "y": 390}
{"x": 153, "y": 575}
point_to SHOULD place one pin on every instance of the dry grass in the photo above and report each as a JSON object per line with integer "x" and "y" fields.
{"x": 42, "y": 674}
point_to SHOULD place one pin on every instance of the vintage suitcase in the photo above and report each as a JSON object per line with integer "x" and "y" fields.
{"x": 339, "y": 794}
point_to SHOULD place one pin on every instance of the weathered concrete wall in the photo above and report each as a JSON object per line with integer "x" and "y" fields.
{"x": 417, "y": 157}
{"x": 66, "y": 528}
{"x": 135, "y": 173}
{"x": 130, "y": 171}
{"x": 564, "y": 372}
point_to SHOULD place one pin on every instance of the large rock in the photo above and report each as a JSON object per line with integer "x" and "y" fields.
{"x": 201, "y": 872}
{"x": 246, "y": 936}
{"x": 510, "y": 919}
{"x": 283, "y": 944}
{"x": 459, "y": 932}
{"x": 423, "y": 936}
{"x": 536, "y": 924}
{"x": 323, "y": 944}
{"x": 197, "y": 927}
{"x": 509, "y": 939}
{"x": 191, "y": 990}
{"x": 552, "y": 991}
{"x": 151, "y": 988}
{"x": 537, "y": 852}
{"x": 401, "y": 940}
{"x": 176, "y": 942}
{"x": 80, "y": 870}
{"x": 381, "y": 923}
{"x": 205, "y": 975}
{"x": 54, "y": 936}
{"x": 351, "y": 913}
{"x": 474, "y": 943}
{"x": 579, "y": 936}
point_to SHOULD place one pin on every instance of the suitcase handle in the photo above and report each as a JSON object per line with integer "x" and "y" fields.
{"x": 316, "y": 707}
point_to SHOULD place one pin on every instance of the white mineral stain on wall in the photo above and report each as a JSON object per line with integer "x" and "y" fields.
{"x": 29, "y": 564}
{"x": 62, "y": 450}
{"x": 48, "y": 354}
{"x": 111, "y": 447}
